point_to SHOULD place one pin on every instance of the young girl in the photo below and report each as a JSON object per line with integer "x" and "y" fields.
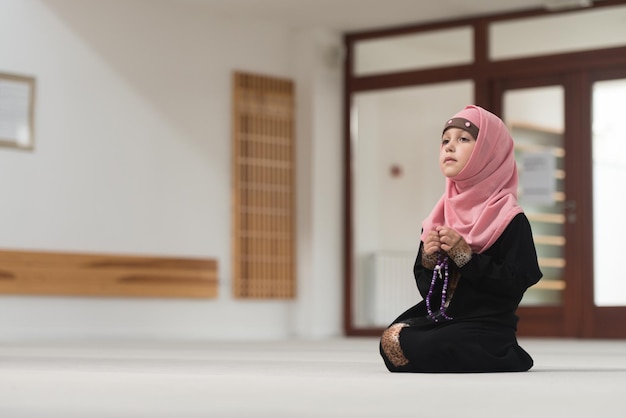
{"x": 476, "y": 259}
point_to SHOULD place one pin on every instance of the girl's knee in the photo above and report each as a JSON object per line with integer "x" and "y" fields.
{"x": 391, "y": 350}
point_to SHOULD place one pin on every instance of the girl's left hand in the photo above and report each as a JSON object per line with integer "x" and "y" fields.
{"x": 448, "y": 238}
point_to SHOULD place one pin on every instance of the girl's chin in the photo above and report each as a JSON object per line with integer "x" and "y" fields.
{"x": 449, "y": 173}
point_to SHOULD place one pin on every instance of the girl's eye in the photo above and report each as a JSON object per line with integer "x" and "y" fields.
{"x": 445, "y": 141}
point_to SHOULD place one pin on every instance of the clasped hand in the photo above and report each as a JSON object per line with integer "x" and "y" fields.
{"x": 441, "y": 239}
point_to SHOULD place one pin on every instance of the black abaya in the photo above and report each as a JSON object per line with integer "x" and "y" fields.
{"x": 480, "y": 337}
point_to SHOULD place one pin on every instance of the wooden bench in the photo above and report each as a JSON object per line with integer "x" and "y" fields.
{"x": 76, "y": 274}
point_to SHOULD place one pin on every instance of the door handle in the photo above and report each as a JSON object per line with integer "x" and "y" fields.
{"x": 570, "y": 211}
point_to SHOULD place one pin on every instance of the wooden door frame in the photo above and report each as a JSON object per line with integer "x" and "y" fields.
{"x": 485, "y": 75}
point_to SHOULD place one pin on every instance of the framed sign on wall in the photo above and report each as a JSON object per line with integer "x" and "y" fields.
{"x": 17, "y": 116}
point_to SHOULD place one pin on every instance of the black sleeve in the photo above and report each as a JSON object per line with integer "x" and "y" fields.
{"x": 422, "y": 275}
{"x": 510, "y": 265}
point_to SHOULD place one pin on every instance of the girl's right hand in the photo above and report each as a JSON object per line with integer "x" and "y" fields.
{"x": 432, "y": 244}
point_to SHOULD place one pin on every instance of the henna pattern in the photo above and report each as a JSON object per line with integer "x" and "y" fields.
{"x": 390, "y": 343}
{"x": 461, "y": 253}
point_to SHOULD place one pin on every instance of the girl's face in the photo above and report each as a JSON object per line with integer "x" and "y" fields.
{"x": 456, "y": 148}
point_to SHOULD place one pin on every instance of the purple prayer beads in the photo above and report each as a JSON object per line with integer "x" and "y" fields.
{"x": 442, "y": 264}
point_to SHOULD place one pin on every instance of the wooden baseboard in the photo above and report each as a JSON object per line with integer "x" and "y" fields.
{"x": 74, "y": 274}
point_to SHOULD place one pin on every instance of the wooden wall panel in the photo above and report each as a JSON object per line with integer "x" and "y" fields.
{"x": 51, "y": 273}
{"x": 263, "y": 187}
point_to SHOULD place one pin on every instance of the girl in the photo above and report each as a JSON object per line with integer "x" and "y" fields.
{"x": 476, "y": 259}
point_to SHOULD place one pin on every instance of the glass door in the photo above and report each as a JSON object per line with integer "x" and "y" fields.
{"x": 609, "y": 177}
{"x": 571, "y": 178}
{"x": 536, "y": 121}
{"x": 607, "y": 312}
{"x": 534, "y": 111}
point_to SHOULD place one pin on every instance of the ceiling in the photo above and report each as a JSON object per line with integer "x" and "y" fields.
{"x": 358, "y": 15}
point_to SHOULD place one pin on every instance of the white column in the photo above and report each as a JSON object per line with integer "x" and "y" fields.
{"x": 318, "y": 309}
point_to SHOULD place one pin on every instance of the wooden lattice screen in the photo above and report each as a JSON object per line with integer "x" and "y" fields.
{"x": 263, "y": 187}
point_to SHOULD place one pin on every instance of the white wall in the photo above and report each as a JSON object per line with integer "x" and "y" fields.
{"x": 133, "y": 156}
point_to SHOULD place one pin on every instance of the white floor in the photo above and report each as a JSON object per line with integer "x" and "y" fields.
{"x": 336, "y": 378}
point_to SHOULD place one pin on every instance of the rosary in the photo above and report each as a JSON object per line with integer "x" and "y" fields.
{"x": 441, "y": 270}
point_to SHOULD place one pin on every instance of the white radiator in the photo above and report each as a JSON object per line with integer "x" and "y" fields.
{"x": 391, "y": 286}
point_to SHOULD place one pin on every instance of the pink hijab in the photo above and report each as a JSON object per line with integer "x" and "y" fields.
{"x": 481, "y": 200}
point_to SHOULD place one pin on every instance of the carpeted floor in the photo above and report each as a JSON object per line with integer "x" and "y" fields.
{"x": 293, "y": 379}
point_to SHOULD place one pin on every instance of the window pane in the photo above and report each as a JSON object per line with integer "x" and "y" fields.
{"x": 535, "y": 117}
{"x": 414, "y": 51}
{"x": 609, "y": 177}
{"x": 585, "y": 30}
{"x": 396, "y": 135}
